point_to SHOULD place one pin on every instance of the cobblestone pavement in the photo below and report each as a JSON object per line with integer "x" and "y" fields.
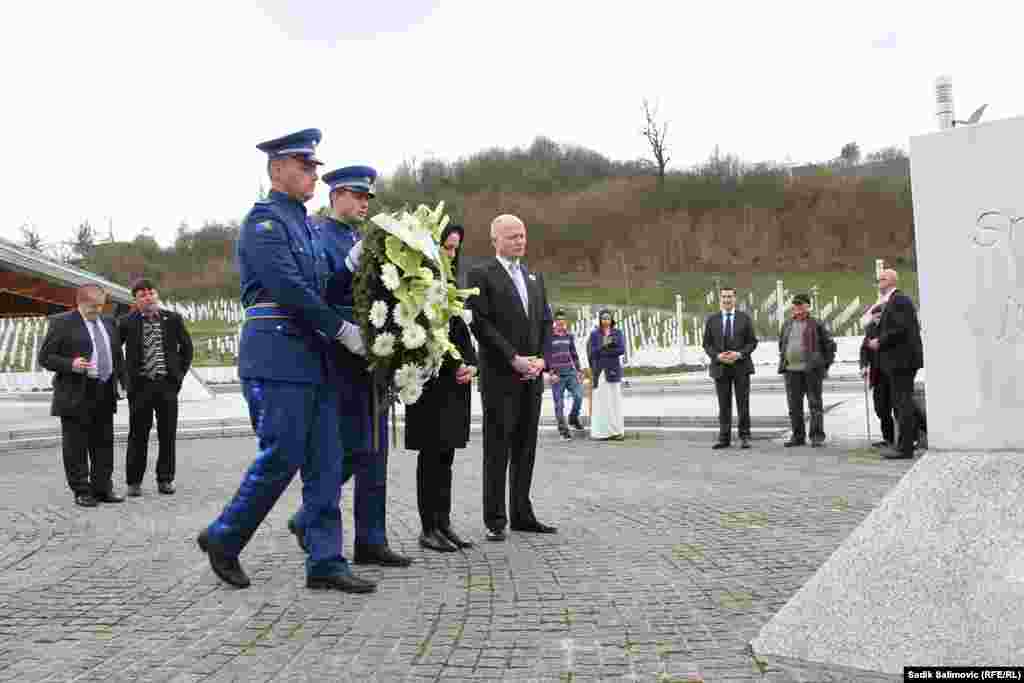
{"x": 669, "y": 559}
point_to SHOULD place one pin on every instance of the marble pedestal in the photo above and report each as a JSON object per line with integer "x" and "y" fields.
{"x": 934, "y": 576}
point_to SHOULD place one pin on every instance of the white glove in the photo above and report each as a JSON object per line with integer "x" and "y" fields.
{"x": 354, "y": 255}
{"x": 351, "y": 338}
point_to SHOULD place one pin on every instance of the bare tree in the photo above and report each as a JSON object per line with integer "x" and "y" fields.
{"x": 31, "y": 238}
{"x": 850, "y": 154}
{"x": 83, "y": 240}
{"x": 655, "y": 135}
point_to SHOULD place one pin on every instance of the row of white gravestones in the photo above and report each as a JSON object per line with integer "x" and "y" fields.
{"x": 227, "y": 310}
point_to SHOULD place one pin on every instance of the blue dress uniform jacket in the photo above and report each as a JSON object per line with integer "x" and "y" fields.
{"x": 284, "y": 364}
{"x": 350, "y": 376}
{"x": 278, "y": 263}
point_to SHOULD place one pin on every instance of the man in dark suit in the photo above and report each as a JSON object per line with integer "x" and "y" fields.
{"x": 84, "y": 351}
{"x": 729, "y": 340}
{"x": 900, "y": 356}
{"x": 512, "y": 323}
{"x": 158, "y": 354}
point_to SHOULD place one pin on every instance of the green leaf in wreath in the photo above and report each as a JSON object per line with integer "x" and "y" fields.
{"x": 407, "y": 260}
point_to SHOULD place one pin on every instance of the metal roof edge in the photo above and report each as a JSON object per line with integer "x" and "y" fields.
{"x": 32, "y": 262}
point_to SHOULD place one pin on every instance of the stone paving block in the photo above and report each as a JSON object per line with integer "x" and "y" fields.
{"x": 668, "y": 560}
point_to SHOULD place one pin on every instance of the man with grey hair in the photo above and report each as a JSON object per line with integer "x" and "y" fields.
{"x": 512, "y": 323}
{"x": 900, "y": 356}
{"x": 83, "y": 350}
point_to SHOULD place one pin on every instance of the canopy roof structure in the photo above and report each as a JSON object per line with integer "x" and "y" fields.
{"x": 31, "y": 284}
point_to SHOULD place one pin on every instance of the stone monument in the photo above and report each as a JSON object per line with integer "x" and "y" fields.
{"x": 935, "y": 575}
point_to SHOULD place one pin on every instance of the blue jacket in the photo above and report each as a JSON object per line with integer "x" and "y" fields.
{"x": 279, "y": 263}
{"x": 349, "y": 372}
{"x": 605, "y": 358}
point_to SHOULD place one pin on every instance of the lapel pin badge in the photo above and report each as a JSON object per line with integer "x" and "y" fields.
{"x": 532, "y": 277}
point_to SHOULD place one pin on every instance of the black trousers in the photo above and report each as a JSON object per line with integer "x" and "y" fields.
{"x": 798, "y": 385}
{"x": 510, "y": 447}
{"x": 434, "y": 488}
{"x": 148, "y": 397}
{"x": 87, "y": 442}
{"x": 724, "y": 386}
{"x": 901, "y": 383}
{"x": 881, "y": 393}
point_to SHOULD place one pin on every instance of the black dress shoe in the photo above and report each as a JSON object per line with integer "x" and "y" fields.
{"x": 795, "y": 442}
{"x": 108, "y": 497}
{"x": 347, "y": 583}
{"x": 227, "y": 568}
{"x": 744, "y": 443}
{"x": 300, "y": 536}
{"x": 816, "y": 443}
{"x": 496, "y": 535}
{"x": 165, "y": 487}
{"x": 880, "y": 444}
{"x": 380, "y": 554}
{"x": 434, "y": 540}
{"x": 85, "y": 500}
{"x": 720, "y": 444}
{"x": 575, "y": 423}
{"x": 535, "y": 527}
{"x": 458, "y": 542}
{"x": 893, "y": 454}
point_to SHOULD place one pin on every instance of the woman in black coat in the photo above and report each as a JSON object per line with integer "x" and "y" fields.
{"x": 438, "y": 423}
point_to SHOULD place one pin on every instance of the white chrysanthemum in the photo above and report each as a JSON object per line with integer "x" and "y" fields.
{"x": 414, "y": 336}
{"x": 378, "y": 314}
{"x": 406, "y": 375}
{"x": 467, "y": 316}
{"x": 440, "y": 334}
{"x": 389, "y": 276}
{"x": 410, "y": 394}
{"x": 384, "y": 345}
{"x": 405, "y": 313}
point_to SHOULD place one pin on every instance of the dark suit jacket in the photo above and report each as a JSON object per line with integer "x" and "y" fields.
{"x": 821, "y": 358}
{"x": 66, "y": 338}
{"x": 177, "y": 346}
{"x": 899, "y": 335}
{"x": 742, "y": 340}
{"x": 501, "y": 326}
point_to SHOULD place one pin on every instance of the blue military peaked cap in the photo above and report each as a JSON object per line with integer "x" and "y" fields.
{"x": 302, "y": 143}
{"x": 358, "y": 178}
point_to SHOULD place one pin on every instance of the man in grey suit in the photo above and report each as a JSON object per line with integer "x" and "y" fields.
{"x": 512, "y": 323}
{"x": 729, "y": 340}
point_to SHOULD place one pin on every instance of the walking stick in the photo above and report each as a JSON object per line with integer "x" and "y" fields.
{"x": 867, "y": 413}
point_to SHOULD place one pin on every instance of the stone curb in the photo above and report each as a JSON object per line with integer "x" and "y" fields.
{"x": 25, "y": 439}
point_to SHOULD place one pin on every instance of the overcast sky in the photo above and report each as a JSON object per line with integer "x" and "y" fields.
{"x": 147, "y": 114}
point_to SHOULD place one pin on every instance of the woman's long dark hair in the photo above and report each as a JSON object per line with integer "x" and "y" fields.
{"x": 448, "y": 230}
{"x": 611, "y": 316}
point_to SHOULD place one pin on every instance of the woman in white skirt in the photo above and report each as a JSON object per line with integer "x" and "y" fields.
{"x": 604, "y": 351}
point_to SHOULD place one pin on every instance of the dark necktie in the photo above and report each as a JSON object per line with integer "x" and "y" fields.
{"x": 728, "y": 326}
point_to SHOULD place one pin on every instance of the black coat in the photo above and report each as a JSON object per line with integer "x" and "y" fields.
{"x": 742, "y": 340}
{"x": 821, "y": 358}
{"x": 177, "y": 346}
{"x": 66, "y": 338}
{"x": 503, "y": 329}
{"x": 439, "y": 421}
{"x": 899, "y": 335}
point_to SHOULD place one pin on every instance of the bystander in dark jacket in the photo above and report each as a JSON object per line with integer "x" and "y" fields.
{"x": 806, "y": 351}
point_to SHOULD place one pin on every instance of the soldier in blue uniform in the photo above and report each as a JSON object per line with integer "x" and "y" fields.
{"x": 287, "y": 347}
{"x": 351, "y": 190}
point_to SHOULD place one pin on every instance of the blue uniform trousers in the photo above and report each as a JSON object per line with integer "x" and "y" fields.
{"x": 297, "y": 430}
